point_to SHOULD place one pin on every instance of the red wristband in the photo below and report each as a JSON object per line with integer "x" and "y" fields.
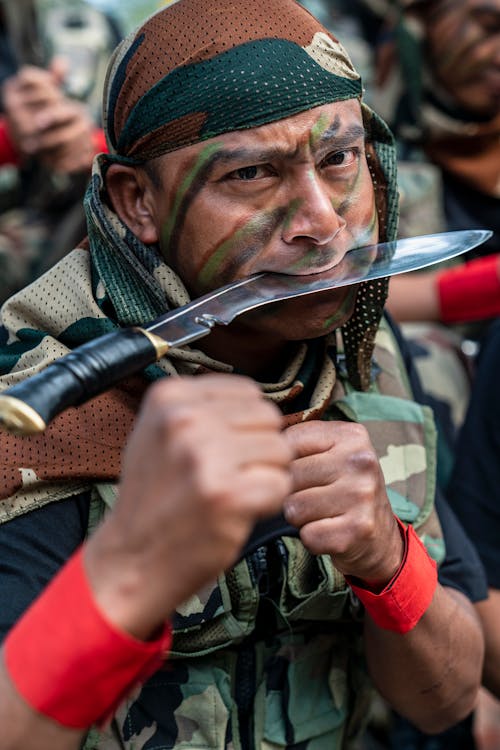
{"x": 401, "y": 604}
{"x": 68, "y": 661}
{"x": 8, "y": 151}
{"x": 471, "y": 291}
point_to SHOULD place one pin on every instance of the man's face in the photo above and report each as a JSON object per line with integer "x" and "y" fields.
{"x": 464, "y": 50}
{"x": 293, "y": 196}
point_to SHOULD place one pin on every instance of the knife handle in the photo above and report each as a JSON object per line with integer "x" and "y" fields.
{"x": 28, "y": 407}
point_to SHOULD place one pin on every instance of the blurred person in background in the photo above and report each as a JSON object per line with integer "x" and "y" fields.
{"x": 52, "y": 64}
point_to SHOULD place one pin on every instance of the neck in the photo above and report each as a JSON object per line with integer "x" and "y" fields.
{"x": 251, "y": 354}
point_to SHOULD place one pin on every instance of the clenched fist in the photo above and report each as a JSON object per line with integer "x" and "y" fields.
{"x": 206, "y": 460}
{"x": 339, "y": 501}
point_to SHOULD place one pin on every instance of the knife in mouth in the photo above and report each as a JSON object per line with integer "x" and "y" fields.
{"x": 27, "y": 408}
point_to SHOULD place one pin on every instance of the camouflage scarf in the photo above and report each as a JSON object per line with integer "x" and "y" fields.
{"x": 114, "y": 280}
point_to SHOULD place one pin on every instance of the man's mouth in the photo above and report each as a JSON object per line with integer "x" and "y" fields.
{"x": 310, "y": 265}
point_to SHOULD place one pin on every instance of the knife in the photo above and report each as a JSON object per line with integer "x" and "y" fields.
{"x": 26, "y": 408}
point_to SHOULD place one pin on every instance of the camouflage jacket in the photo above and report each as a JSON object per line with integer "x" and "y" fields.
{"x": 270, "y": 655}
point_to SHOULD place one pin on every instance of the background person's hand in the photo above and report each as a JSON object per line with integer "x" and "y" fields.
{"x": 44, "y": 123}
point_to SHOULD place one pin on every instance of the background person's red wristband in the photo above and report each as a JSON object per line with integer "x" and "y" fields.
{"x": 401, "y": 604}
{"x": 68, "y": 661}
{"x": 470, "y": 291}
{"x": 8, "y": 151}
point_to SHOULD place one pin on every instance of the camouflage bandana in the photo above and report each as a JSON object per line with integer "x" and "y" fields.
{"x": 196, "y": 69}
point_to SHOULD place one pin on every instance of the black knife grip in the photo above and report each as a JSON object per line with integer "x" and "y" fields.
{"x": 28, "y": 407}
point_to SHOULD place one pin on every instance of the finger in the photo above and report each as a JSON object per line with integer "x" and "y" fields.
{"x": 301, "y": 508}
{"x": 327, "y": 536}
{"x": 317, "y": 470}
{"x": 233, "y": 386}
{"x": 261, "y": 490}
{"x": 59, "y": 67}
{"x": 238, "y": 401}
{"x": 309, "y": 438}
{"x": 32, "y": 88}
{"x": 255, "y": 446}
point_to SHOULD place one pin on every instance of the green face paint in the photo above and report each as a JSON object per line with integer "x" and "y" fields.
{"x": 291, "y": 212}
{"x": 339, "y": 315}
{"x": 211, "y": 271}
{"x": 193, "y": 177}
{"x": 240, "y": 248}
{"x": 318, "y": 130}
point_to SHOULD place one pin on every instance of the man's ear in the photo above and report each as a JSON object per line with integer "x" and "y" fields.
{"x": 129, "y": 193}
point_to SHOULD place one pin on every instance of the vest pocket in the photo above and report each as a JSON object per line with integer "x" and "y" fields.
{"x": 220, "y": 615}
{"x": 312, "y": 589}
{"x": 182, "y": 706}
{"x": 305, "y": 694}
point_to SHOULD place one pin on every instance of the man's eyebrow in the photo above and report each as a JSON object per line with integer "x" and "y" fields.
{"x": 341, "y": 139}
{"x": 258, "y": 155}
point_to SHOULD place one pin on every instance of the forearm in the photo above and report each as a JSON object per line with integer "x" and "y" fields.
{"x": 488, "y": 611}
{"x": 431, "y": 674}
{"x": 466, "y": 292}
{"x": 414, "y": 297}
{"x": 22, "y": 727}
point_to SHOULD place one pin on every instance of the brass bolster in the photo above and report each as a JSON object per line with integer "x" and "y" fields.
{"x": 19, "y": 418}
{"x": 159, "y": 344}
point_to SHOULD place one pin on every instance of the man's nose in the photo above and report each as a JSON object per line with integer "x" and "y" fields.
{"x": 312, "y": 215}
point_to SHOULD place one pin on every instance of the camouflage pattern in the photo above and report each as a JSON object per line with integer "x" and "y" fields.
{"x": 445, "y": 370}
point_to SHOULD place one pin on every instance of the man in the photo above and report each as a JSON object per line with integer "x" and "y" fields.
{"x": 238, "y": 144}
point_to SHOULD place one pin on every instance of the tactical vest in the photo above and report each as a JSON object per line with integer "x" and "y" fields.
{"x": 270, "y": 654}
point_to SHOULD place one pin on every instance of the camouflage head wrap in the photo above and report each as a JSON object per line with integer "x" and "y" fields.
{"x": 195, "y": 70}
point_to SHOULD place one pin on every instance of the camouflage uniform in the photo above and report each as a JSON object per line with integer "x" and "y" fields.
{"x": 274, "y": 647}
{"x": 271, "y": 655}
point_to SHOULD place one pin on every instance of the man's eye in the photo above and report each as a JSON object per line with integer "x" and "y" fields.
{"x": 342, "y": 158}
{"x": 247, "y": 173}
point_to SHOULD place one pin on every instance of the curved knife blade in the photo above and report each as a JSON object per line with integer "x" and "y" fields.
{"x": 223, "y": 305}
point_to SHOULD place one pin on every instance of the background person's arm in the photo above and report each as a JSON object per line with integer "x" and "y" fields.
{"x": 463, "y": 293}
